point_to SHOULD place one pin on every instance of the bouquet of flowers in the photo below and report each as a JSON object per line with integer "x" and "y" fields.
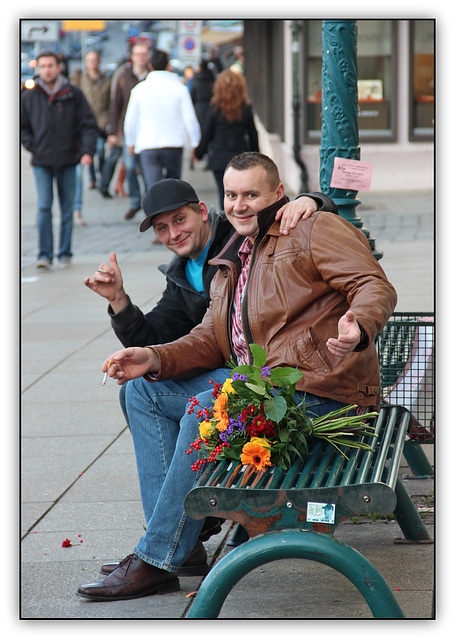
{"x": 256, "y": 420}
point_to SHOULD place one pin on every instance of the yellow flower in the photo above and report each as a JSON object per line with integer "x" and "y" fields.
{"x": 254, "y": 453}
{"x": 227, "y": 386}
{"x": 219, "y": 412}
{"x": 206, "y": 429}
{"x": 262, "y": 441}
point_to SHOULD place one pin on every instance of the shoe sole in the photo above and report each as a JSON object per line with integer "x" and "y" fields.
{"x": 160, "y": 589}
{"x": 196, "y": 570}
{"x": 201, "y": 570}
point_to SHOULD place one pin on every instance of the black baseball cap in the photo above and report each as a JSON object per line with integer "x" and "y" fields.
{"x": 166, "y": 195}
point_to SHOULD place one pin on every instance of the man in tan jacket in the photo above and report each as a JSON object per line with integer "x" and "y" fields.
{"x": 96, "y": 87}
{"x": 314, "y": 299}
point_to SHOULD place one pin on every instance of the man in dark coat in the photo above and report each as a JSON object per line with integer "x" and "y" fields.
{"x": 59, "y": 128}
{"x": 201, "y": 91}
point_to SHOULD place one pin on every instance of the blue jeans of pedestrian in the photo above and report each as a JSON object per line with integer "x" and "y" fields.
{"x": 157, "y": 164}
{"x": 131, "y": 165}
{"x": 78, "y": 189}
{"x": 65, "y": 179}
{"x": 162, "y": 432}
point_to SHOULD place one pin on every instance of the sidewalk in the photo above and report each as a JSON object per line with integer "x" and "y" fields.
{"x": 78, "y": 475}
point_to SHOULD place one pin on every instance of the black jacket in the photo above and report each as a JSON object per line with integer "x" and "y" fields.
{"x": 181, "y": 307}
{"x": 224, "y": 140}
{"x": 201, "y": 93}
{"x": 58, "y": 130}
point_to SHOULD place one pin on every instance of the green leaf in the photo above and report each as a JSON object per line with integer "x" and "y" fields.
{"x": 229, "y": 454}
{"x": 254, "y": 387}
{"x": 259, "y": 355}
{"x": 285, "y": 375}
{"x": 245, "y": 369}
{"x": 275, "y": 408}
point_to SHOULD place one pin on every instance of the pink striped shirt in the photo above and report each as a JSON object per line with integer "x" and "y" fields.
{"x": 240, "y": 346}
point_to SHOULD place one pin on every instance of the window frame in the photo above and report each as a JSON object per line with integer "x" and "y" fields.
{"x": 389, "y": 135}
{"x": 413, "y": 131}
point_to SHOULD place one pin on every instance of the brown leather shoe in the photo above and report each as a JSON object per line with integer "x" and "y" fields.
{"x": 194, "y": 565}
{"x": 131, "y": 213}
{"x": 133, "y": 578}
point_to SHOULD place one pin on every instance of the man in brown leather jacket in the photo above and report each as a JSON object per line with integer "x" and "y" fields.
{"x": 314, "y": 299}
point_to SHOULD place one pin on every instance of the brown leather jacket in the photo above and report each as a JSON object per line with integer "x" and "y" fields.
{"x": 298, "y": 288}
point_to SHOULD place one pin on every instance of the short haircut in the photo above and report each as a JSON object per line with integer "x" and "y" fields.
{"x": 160, "y": 60}
{"x": 250, "y": 159}
{"x": 48, "y": 54}
{"x": 97, "y": 53}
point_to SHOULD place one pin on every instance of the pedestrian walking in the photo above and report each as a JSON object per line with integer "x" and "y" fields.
{"x": 160, "y": 121}
{"x": 96, "y": 86}
{"x": 128, "y": 76}
{"x": 201, "y": 91}
{"x": 59, "y": 128}
{"x": 229, "y": 127}
{"x": 75, "y": 79}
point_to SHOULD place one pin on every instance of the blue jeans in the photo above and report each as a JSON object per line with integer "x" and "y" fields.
{"x": 157, "y": 164}
{"x": 134, "y": 190}
{"x": 78, "y": 189}
{"x": 66, "y": 179}
{"x": 161, "y": 438}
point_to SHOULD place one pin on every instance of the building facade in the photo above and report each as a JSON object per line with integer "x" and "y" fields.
{"x": 396, "y": 77}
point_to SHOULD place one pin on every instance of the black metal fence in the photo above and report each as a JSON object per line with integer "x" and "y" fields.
{"x": 406, "y": 357}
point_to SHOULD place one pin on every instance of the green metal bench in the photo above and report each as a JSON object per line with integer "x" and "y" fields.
{"x": 406, "y": 357}
{"x": 294, "y": 513}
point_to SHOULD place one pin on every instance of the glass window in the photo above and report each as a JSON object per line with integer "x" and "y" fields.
{"x": 376, "y": 79}
{"x": 422, "y": 80}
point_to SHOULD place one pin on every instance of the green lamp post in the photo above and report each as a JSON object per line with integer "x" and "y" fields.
{"x": 340, "y": 129}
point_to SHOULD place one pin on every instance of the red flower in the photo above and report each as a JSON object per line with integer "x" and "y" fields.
{"x": 66, "y": 543}
{"x": 261, "y": 427}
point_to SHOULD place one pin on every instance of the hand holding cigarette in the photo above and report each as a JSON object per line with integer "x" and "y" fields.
{"x": 131, "y": 363}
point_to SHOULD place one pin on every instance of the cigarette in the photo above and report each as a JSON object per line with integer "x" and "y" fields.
{"x": 102, "y": 271}
{"x": 106, "y": 374}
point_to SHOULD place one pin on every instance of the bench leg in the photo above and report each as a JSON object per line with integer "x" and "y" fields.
{"x": 239, "y": 536}
{"x": 417, "y": 460}
{"x": 408, "y": 517}
{"x": 294, "y": 544}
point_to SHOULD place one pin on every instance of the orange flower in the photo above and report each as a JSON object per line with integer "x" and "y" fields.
{"x": 219, "y": 412}
{"x": 255, "y": 453}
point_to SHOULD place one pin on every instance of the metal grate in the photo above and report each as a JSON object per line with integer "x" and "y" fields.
{"x": 406, "y": 357}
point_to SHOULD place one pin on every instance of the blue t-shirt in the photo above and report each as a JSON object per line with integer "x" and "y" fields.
{"x": 193, "y": 271}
